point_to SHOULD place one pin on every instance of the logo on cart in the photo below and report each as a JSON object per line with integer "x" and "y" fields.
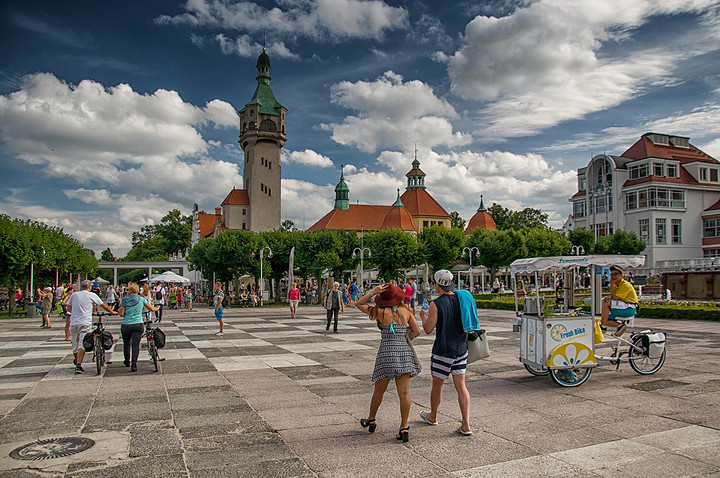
{"x": 558, "y": 332}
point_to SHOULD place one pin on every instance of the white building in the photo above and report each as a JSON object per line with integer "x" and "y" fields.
{"x": 662, "y": 188}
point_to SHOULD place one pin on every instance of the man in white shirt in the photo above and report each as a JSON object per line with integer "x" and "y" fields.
{"x": 80, "y": 305}
{"x": 159, "y": 294}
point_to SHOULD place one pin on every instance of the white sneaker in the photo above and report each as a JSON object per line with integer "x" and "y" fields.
{"x": 219, "y": 333}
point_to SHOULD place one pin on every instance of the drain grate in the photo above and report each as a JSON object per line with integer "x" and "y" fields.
{"x": 48, "y": 448}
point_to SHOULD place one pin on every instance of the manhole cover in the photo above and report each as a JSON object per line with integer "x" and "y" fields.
{"x": 51, "y": 448}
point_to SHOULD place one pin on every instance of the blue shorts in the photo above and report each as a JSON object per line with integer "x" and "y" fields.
{"x": 442, "y": 367}
{"x": 354, "y": 296}
{"x": 218, "y": 313}
{"x": 628, "y": 312}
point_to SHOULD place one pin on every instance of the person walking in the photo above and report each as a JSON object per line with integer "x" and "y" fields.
{"x": 67, "y": 292}
{"x": 333, "y": 303}
{"x": 160, "y": 294}
{"x": 395, "y": 358}
{"x": 111, "y": 297}
{"x": 131, "y": 329}
{"x": 293, "y": 296}
{"x": 449, "y": 351}
{"x": 218, "y": 303}
{"x": 80, "y": 305}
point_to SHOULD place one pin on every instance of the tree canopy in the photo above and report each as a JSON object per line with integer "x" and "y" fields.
{"x": 527, "y": 218}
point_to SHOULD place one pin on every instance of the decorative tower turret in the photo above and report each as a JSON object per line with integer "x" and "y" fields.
{"x": 342, "y": 193}
{"x": 416, "y": 178}
{"x": 262, "y": 136}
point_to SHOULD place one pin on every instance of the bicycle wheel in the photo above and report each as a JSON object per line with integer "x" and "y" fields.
{"x": 641, "y": 362}
{"x": 538, "y": 372}
{"x": 99, "y": 355}
{"x": 152, "y": 350}
{"x": 570, "y": 377}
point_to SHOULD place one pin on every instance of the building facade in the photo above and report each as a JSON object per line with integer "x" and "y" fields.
{"x": 662, "y": 188}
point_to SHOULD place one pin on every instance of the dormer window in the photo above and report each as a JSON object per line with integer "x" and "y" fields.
{"x": 680, "y": 142}
{"x": 659, "y": 139}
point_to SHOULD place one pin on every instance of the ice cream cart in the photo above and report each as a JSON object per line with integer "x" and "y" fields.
{"x": 560, "y": 343}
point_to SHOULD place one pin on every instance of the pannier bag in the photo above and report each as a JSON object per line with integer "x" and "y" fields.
{"x": 107, "y": 340}
{"x": 159, "y": 337}
{"x": 89, "y": 342}
{"x": 656, "y": 344}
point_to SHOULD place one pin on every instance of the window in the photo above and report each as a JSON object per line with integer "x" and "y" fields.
{"x": 244, "y": 211}
{"x": 676, "y": 231}
{"x": 661, "y": 230}
{"x": 270, "y": 165}
{"x": 579, "y": 209}
{"x": 582, "y": 183}
{"x": 714, "y": 175}
{"x": 659, "y": 139}
{"x": 631, "y": 200}
{"x": 425, "y": 223}
{"x": 677, "y": 198}
{"x": 711, "y": 227}
{"x": 658, "y": 169}
{"x": 644, "y": 230}
{"x": 672, "y": 170}
{"x": 269, "y": 192}
{"x": 243, "y": 226}
{"x": 639, "y": 171}
{"x": 711, "y": 253}
{"x": 680, "y": 142}
{"x": 703, "y": 174}
{"x": 642, "y": 198}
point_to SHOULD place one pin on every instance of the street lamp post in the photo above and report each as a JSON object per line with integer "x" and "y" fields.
{"x": 261, "y": 270}
{"x": 361, "y": 251}
{"x": 470, "y": 251}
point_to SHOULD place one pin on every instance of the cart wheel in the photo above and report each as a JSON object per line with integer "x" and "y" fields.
{"x": 538, "y": 372}
{"x": 641, "y": 362}
{"x": 570, "y": 377}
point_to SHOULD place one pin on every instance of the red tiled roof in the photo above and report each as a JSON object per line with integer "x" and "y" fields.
{"x": 413, "y": 172}
{"x": 714, "y": 207}
{"x": 419, "y": 202}
{"x": 579, "y": 193}
{"x": 644, "y": 148}
{"x": 398, "y": 218}
{"x": 207, "y": 224}
{"x": 237, "y": 197}
{"x": 481, "y": 219}
{"x": 359, "y": 216}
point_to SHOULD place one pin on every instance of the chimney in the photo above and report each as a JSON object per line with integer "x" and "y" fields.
{"x": 218, "y": 211}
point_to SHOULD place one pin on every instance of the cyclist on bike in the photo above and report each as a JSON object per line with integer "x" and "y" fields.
{"x": 131, "y": 310}
{"x": 623, "y": 302}
{"x": 80, "y": 305}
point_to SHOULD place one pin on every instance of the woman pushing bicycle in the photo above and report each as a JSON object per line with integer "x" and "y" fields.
{"x": 131, "y": 309}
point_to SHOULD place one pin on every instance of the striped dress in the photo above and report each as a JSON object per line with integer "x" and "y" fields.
{"x": 394, "y": 356}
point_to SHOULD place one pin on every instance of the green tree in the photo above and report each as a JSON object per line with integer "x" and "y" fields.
{"x": 392, "y": 250}
{"x": 318, "y": 251}
{"x": 107, "y": 255}
{"x": 527, "y": 218}
{"x": 542, "y": 242}
{"x": 280, "y": 243}
{"x": 176, "y": 229}
{"x": 620, "y": 242}
{"x": 152, "y": 249}
{"x": 584, "y": 238}
{"x": 497, "y": 248}
{"x": 457, "y": 222}
{"x": 502, "y": 217}
{"x": 440, "y": 246}
{"x": 288, "y": 226}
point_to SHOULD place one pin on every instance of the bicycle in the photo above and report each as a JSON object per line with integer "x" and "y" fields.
{"x": 645, "y": 354}
{"x": 151, "y": 347}
{"x": 98, "y": 349}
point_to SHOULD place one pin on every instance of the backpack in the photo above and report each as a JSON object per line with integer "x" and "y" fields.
{"x": 158, "y": 295}
{"x": 225, "y": 301}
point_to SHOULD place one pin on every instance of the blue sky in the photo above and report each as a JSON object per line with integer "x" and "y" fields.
{"x": 111, "y": 114}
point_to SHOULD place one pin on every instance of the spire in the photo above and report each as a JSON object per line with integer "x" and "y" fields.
{"x": 482, "y": 206}
{"x": 342, "y": 193}
{"x": 398, "y": 202}
{"x": 416, "y": 178}
{"x": 263, "y": 96}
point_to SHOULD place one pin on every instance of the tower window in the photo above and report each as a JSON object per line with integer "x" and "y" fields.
{"x": 243, "y": 226}
{"x": 270, "y": 165}
{"x": 269, "y": 192}
{"x": 244, "y": 211}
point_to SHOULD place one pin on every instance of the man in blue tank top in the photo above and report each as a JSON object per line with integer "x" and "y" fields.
{"x": 449, "y": 352}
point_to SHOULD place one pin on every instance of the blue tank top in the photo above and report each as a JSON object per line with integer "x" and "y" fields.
{"x": 450, "y": 337}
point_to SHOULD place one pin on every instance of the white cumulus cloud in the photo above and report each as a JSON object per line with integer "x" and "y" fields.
{"x": 307, "y": 158}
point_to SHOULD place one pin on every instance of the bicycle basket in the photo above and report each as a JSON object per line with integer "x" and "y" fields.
{"x": 107, "y": 340}
{"x": 89, "y": 342}
{"x": 159, "y": 337}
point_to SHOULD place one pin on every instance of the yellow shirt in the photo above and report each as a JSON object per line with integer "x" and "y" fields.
{"x": 626, "y": 292}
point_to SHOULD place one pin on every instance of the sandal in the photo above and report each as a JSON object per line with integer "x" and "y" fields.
{"x": 403, "y": 435}
{"x": 369, "y": 424}
{"x": 424, "y": 416}
{"x": 463, "y": 432}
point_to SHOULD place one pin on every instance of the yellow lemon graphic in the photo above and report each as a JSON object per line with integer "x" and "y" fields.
{"x": 557, "y": 331}
{"x": 571, "y": 354}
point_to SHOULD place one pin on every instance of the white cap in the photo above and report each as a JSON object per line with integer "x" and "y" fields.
{"x": 444, "y": 279}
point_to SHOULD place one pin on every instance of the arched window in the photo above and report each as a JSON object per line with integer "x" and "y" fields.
{"x": 268, "y": 125}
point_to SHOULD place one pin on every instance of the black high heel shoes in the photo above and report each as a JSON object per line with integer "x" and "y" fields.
{"x": 403, "y": 435}
{"x": 369, "y": 424}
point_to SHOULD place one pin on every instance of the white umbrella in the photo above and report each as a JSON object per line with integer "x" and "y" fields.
{"x": 169, "y": 276}
{"x": 100, "y": 280}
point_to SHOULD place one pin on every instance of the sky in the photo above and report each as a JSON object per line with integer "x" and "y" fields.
{"x": 114, "y": 113}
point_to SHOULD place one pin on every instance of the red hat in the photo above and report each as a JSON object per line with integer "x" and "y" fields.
{"x": 390, "y": 297}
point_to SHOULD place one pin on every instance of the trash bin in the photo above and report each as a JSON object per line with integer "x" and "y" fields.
{"x": 420, "y": 297}
{"x": 30, "y": 310}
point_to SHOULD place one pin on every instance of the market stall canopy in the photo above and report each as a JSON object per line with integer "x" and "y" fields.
{"x": 169, "y": 276}
{"x": 534, "y": 264}
{"x": 100, "y": 280}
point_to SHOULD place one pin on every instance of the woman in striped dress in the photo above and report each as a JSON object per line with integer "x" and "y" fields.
{"x": 396, "y": 358}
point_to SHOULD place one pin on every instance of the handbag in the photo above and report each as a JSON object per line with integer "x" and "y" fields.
{"x": 477, "y": 346}
{"x": 598, "y": 332}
